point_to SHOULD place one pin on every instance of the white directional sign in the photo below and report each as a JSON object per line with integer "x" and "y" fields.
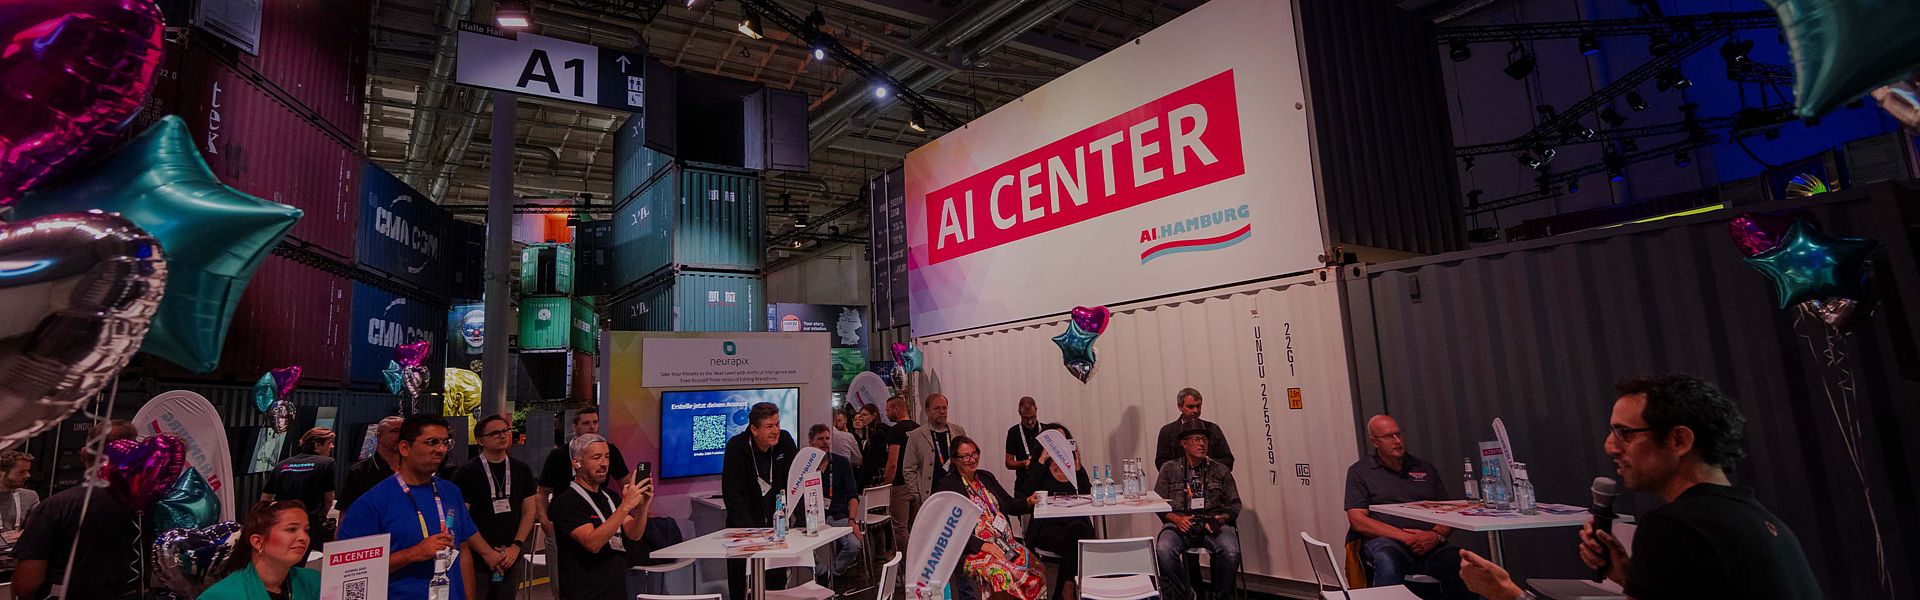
{"x": 554, "y": 68}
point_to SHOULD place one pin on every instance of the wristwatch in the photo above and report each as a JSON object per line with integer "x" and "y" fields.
{"x": 518, "y": 543}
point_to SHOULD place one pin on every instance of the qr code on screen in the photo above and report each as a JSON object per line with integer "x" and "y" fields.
{"x": 355, "y": 590}
{"x": 709, "y": 432}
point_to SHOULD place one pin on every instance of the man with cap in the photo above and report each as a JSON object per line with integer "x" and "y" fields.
{"x": 1206, "y": 504}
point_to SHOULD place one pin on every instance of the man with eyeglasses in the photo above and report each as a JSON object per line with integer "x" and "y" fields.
{"x": 425, "y": 515}
{"x": 1678, "y": 437}
{"x": 1396, "y": 547}
{"x": 499, "y": 494}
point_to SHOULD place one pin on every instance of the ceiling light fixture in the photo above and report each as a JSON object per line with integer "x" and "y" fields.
{"x": 1589, "y": 45}
{"x": 1612, "y": 118}
{"x": 1519, "y": 62}
{"x": 880, "y": 91}
{"x": 916, "y": 122}
{"x": 513, "y": 14}
{"x": 1635, "y": 101}
{"x": 750, "y": 26}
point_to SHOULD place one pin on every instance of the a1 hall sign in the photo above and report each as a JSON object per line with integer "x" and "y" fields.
{"x": 537, "y": 65}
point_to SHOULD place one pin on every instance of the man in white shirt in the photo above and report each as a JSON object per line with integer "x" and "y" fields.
{"x": 842, "y": 441}
{"x": 16, "y": 500}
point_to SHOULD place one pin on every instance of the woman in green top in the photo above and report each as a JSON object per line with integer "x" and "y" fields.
{"x": 272, "y": 540}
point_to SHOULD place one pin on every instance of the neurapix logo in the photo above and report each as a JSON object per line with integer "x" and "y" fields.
{"x": 729, "y": 348}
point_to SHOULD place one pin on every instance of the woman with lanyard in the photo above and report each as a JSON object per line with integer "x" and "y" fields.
{"x": 263, "y": 566}
{"x": 421, "y": 547}
{"x": 869, "y": 434}
{"x": 992, "y": 555}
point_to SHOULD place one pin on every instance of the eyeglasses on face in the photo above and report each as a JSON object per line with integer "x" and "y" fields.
{"x": 435, "y": 442}
{"x": 968, "y": 456}
{"x": 1626, "y": 433}
{"x": 496, "y": 432}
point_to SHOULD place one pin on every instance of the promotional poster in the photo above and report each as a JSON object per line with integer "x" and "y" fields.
{"x": 847, "y": 323}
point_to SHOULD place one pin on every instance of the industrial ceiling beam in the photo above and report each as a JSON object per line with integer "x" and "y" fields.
{"x": 1608, "y": 135}
{"x": 1522, "y": 32}
{"x": 1569, "y": 118}
{"x": 778, "y": 15}
{"x": 1553, "y": 186}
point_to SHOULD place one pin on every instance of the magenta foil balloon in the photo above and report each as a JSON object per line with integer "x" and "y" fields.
{"x": 411, "y": 355}
{"x": 137, "y": 472}
{"x": 74, "y": 72}
{"x": 1092, "y": 319}
{"x": 284, "y": 378}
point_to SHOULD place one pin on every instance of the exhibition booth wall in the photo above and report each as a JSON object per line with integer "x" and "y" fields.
{"x": 1269, "y": 358}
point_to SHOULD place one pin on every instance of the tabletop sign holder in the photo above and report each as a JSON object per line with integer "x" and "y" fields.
{"x": 355, "y": 569}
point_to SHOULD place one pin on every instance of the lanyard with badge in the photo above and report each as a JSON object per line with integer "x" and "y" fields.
{"x": 612, "y": 542}
{"x": 19, "y": 518}
{"x": 1196, "y": 490}
{"x": 1026, "y": 441}
{"x": 766, "y": 481}
{"x": 503, "y": 502}
{"x": 439, "y": 510}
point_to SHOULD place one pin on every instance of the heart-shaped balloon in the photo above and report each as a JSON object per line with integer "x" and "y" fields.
{"x": 79, "y": 291}
{"x": 284, "y": 378}
{"x": 137, "y": 472}
{"x": 76, "y": 72}
{"x": 898, "y": 348}
{"x": 264, "y": 393}
{"x": 912, "y": 360}
{"x": 1092, "y": 319}
{"x": 187, "y": 556}
{"x": 1757, "y": 233}
{"x": 411, "y": 355}
{"x": 189, "y": 504}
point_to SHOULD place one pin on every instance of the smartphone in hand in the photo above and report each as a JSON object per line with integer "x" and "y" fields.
{"x": 642, "y": 471}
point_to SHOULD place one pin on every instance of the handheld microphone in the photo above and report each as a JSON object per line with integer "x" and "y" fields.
{"x": 1605, "y": 489}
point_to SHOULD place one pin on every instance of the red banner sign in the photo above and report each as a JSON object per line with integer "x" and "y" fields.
{"x": 1180, "y": 142}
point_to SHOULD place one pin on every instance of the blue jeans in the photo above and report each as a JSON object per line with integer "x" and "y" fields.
{"x": 1393, "y": 561}
{"x": 1170, "y": 549}
{"x": 846, "y": 550}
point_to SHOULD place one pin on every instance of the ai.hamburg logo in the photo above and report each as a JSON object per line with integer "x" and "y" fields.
{"x": 1218, "y": 229}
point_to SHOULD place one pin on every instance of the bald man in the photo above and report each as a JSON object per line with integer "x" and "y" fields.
{"x": 1397, "y": 547}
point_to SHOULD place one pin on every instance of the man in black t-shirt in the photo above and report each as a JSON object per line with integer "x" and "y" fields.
{"x": 558, "y": 469}
{"x": 499, "y": 494}
{"x": 754, "y": 469}
{"x": 1676, "y": 436}
{"x": 901, "y": 502}
{"x": 372, "y": 470}
{"x": 109, "y": 539}
{"x": 1023, "y": 441}
{"x": 1394, "y": 546}
{"x": 307, "y": 477}
{"x": 596, "y": 524}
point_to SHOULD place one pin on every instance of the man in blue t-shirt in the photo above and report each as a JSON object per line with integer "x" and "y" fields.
{"x": 423, "y": 513}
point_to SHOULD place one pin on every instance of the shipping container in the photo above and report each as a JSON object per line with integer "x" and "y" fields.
{"x": 693, "y": 216}
{"x": 585, "y": 325}
{"x": 546, "y": 269}
{"x": 694, "y": 301}
{"x": 291, "y": 314}
{"x": 545, "y": 323}
{"x": 1536, "y": 334}
{"x": 385, "y": 319}
{"x": 593, "y": 261}
{"x": 316, "y": 51}
{"x": 634, "y": 164}
{"x": 261, "y": 146}
{"x": 1269, "y": 359}
{"x": 403, "y": 233}
{"x": 466, "y": 265}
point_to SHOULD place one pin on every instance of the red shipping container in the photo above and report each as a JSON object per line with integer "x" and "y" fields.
{"x": 292, "y": 314}
{"x": 260, "y": 146}
{"x": 316, "y": 50}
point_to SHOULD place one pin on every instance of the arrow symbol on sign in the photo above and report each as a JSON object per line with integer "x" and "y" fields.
{"x": 623, "y": 63}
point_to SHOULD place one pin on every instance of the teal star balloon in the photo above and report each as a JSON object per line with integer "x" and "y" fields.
{"x": 1076, "y": 350}
{"x": 214, "y": 236}
{"x": 1845, "y": 48}
{"x": 396, "y": 380}
{"x": 1811, "y": 265}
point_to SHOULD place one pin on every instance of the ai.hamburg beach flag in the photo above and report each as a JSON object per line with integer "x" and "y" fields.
{"x": 938, "y": 539}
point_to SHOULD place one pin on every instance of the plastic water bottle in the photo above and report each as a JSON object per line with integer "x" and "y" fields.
{"x": 1099, "y": 490}
{"x": 1502, "y": 491}
{"x": 440, "y": 588}
{"x": 1132, "y": 478}
{"x": 1523, "y": 491}
{"x": 1113, "y": 491}
{"x": 1486, "y": 484}
{"x": 780, "y": 516}
{"x": 1466, "y": 479}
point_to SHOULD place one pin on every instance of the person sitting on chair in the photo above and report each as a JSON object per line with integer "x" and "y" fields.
{"x": 1060, "y": 536}
{"x": 1393, "y": 546}
{"x": 1206, "y": 503}
{"x": 992, "y": 555}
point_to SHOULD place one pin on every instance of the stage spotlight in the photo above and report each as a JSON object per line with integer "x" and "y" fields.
{"x": 1519, "y": 62}
{"x": 880, "y": 91}
{"x": 750, "y": 26}
{"x": 1466, "y": 163}
{"x": 1681, "y": 159}
{"x": 1635, "y": 102}
{"x": 1589, "y": 45}
{"x": 513, "y": 14}
{"x": 1616, "y": 167}
{"x": 819, "y": 51}
{"x": 1573, "y": 185}
{"x": 1459, "y": 51}
{"x": 1659, "y": 44}
{"x": 1612, "y": 118}
{"x": 916, "y": 122}
{"x": 1670, "y": 79}
{"x": 1736, "y": 52}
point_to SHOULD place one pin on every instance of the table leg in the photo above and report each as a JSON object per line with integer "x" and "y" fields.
{"x": 1493, "y": 548}
{"x": 757, "y": 579}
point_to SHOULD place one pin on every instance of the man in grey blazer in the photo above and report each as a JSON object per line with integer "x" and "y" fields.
{"x": 930, "y": 449}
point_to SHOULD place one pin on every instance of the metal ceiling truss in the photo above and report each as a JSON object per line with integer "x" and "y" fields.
{"x": 778, "y": 15}
{"x": 1608, "y": 135}
{"x": 1523, "y": 32}
{"x": 1560, "y": 123}
{"x": 1553, "y": 185}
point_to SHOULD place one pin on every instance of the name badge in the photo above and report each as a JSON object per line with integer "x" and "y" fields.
{"x": 765, "y": 487}
{"x": 1197, "y": 503}
{"x": 615, "y": 542}
{"x": 502, "y": 506}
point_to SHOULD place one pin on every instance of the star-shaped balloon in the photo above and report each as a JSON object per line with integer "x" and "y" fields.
{"x": 912, "y": 360}
{"x": 1811, "y": 265}
{"x": 396, "y": 379}
{"x": 1842, "y": 49}
{"x": 214, "y": 236}
{"x": 1076, "y": 350}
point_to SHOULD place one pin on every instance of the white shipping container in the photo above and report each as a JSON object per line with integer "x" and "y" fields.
{"x": 1245, "y": 348}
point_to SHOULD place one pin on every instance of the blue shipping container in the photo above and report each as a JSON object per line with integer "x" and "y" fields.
{"x": 402, "y": 233}
{"x": 633, "y": 162}
{"x": 382, "y": 322}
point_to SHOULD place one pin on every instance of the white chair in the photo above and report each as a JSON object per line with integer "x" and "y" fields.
{"x": 1581, "y": 589}
{"x": 889, "y": 577}
{"x": 876, "y": 503}
{"x": 807, "y": 590}
{"x": 1332, "y": 586}
{"x": 673, "y": 597}
{"x": 1122, "y": 569}
{"x": 651, "y": 574}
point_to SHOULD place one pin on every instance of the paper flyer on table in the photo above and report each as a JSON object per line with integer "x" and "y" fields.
{"x": 355, "y": 569}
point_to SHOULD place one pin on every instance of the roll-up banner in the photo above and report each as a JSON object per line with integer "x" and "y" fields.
{"x": 939, "y": 537}
{"x": 191, "y": 418}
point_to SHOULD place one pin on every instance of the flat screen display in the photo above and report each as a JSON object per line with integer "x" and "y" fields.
{"x": 695, "y": 425}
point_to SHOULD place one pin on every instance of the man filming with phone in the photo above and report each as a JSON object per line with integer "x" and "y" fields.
{"x": 596, "y": 524}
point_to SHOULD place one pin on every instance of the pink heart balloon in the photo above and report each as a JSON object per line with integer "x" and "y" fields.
{"x": 411, "y": 355}
{"x": 139, "y": 471}
{"x": 1092, "y": 319}
{"x": 76, "y": 72}
{"x": 284, "y": 378}
{"x": 1757, "y": 233}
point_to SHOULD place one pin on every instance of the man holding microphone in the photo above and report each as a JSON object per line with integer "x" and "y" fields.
{"x": 1677, "y": 436}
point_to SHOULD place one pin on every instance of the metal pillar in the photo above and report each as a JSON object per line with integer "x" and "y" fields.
{"x": 500, "y": 198}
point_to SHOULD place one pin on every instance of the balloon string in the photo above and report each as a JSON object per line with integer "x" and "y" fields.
{"x": 89, "y": 475}
{"x": 1844, "y": 420}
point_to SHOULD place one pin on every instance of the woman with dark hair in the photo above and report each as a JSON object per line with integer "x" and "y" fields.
{"x": 992, "y": 555}
{"x": 1058, "y": 536}
{"x": 870, "y": 435}
{"x": 273, "y": 539}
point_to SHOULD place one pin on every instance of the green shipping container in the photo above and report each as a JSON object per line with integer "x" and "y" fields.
{"x": 586, "y": 328}
{"x": 546, "y": 269}
{"x": 545, "y": 322}
{"x": 695, "y": 301}
{"x": 692, "y": 216}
